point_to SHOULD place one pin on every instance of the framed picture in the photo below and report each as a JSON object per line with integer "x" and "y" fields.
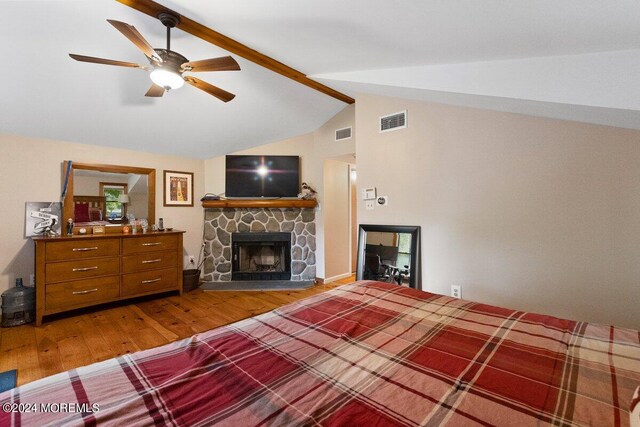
{"x": 178, "y": 188}
{"x": 43, "y": 219}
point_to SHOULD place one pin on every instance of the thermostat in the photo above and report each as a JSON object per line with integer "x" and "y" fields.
{"x": 369, "y": 193}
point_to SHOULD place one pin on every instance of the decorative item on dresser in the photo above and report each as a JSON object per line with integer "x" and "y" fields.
{"x": 81, "y": 271}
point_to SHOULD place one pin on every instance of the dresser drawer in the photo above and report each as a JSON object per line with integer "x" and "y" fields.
{"x": 149, "y": 261}
{"x": 149, "y": 244}
{"x": 81, "y": 269}
{"x": 149, "y": 281}
{"x": 82, "y": 248}
{"x": 66, "y": 295}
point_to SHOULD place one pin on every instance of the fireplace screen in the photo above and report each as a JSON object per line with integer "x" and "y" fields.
{"x": 261, "y": 256}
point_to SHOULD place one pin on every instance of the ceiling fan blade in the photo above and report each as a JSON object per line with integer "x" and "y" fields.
{"x": 225, "y": 63}
{"x": 155, "y": 91}
{"x": 95, "y": 60}
{"x": 130, "y": 32}
{"x": 221, "y": 94}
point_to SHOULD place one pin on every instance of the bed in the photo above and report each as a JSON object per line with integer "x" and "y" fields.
{"x": 90, "y": 210}
{"x": 367, "y": 353}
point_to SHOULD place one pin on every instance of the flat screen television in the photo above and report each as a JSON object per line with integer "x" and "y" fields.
{"x": 262, "y": 176}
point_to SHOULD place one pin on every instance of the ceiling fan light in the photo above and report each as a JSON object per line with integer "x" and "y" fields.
{"x": 166, "y": 79}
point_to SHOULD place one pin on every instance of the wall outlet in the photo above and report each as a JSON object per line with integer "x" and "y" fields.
{"x": 456, "y": 291}
{"x": 383, "y": 200}
{"x": 192, "y": 260}
{"x": 368, "y": 204}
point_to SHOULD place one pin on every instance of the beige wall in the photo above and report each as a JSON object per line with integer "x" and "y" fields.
{"x": 531, "y": 213}
{"x": 313, "y": 149}
{"x": 31, "y": 171}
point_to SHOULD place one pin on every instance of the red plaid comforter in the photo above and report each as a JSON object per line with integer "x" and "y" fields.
{"x": 367, "y": 353}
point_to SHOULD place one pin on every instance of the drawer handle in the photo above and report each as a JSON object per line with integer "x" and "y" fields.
{"x": 151, "y": 281}
{"x": 85, "y": 292}
{"x": 94, "y": 248}
{"x": 151, "y": 261}
{"x": 86, "y": 268}
{"x": 152, "y": 244}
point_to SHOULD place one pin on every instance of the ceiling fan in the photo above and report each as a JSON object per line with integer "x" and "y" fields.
{"x": 168, "y": 66}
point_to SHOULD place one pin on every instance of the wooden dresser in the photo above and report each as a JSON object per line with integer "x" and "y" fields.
{"x": 80, "y": 271}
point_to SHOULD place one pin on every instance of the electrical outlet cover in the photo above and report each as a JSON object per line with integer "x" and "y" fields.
{"x": 368, "y": 204}
{"x": 456, "y": 291}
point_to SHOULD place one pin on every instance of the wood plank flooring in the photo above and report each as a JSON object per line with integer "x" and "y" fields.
{"x": 94, "y": 334}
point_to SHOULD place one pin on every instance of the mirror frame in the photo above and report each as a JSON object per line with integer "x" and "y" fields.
{"x": 68, "y": 198}
{"x": 414, "y": 264}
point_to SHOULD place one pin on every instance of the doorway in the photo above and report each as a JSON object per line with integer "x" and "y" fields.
{"x": 339, "y": 217}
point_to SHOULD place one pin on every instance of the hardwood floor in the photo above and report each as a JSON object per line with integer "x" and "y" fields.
{"x": 95, "y": 335}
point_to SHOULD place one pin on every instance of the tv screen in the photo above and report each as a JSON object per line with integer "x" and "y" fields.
{"x": 262, "y": 176}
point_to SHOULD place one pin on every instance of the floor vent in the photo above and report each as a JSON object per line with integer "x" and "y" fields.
{"x": 344, "y": 133}
{"x": 393, "y": 121}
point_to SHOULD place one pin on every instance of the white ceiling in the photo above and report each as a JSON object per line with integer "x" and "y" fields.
{"x": 573, "y": 59}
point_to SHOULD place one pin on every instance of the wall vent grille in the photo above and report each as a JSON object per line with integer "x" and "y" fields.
{"x": 344, "y": 133}
{"x": 393, "y": 121}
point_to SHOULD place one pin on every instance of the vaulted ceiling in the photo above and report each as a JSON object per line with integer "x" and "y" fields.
{"x": 575, "y": 59}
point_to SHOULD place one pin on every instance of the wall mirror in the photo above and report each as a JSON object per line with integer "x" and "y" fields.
{"x": 108, "y": 194}
{"x": 389, "y": 253}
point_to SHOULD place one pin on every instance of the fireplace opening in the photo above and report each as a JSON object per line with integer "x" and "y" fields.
{"x": 261, "y": 256}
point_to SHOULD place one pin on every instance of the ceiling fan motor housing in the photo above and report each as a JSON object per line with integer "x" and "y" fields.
{"x": 170, "y": 60}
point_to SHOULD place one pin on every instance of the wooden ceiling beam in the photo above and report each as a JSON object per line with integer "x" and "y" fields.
{"x": 153, "y": 9}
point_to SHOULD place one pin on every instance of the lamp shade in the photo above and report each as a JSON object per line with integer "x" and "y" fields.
{"x": 166, "y": 78}
{"x": 123, "y": 198}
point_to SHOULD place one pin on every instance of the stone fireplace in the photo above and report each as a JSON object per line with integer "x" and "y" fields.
{"x": 268, "y": 260}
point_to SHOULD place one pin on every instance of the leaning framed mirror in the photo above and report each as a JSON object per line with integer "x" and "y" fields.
{"x": 389, "y": 253}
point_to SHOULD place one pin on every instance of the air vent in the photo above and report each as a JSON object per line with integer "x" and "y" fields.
{"x": 344, "y": 133}
{"x": 393, "y": 121}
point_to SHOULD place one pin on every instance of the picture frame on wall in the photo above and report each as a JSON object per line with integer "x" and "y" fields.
{"x": 178, "y": 188}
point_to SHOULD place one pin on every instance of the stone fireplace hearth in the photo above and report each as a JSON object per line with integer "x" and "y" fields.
{"x": 221, "y": 223}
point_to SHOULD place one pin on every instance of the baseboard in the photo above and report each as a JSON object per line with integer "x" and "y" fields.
{"x": 322, "y": 281}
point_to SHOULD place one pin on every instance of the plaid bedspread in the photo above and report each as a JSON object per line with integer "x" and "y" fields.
{"x": 368, "y": 353}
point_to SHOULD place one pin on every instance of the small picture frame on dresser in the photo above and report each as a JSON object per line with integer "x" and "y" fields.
{"x": 98, "y": 230}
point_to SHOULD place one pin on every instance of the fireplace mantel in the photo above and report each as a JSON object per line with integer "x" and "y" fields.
{"x": 259, "y": 203}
